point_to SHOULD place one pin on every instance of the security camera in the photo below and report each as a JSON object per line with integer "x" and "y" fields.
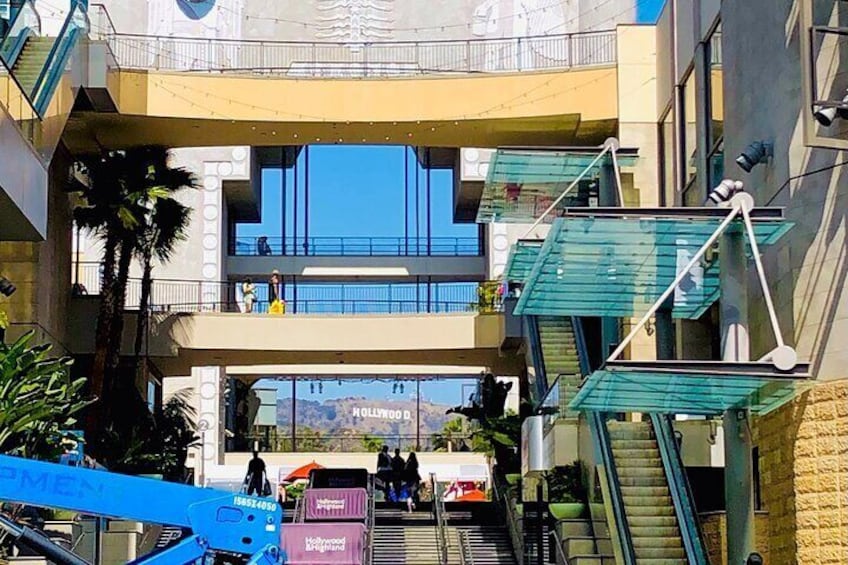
{"x": 826, "y": 115}
{"x": 7, "y": 289}
{"x": 756, "y": 152}
{"x": 725, "y": 191}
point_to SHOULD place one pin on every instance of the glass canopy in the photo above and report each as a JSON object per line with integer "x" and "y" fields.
{"x": 522, "y": 184}
{"x": 521, "y": 259}
{"x": 619, "y": 264}
{"x": 681, "y": 387}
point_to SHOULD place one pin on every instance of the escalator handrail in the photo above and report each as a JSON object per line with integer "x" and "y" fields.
{"x": 681, "y": 493}
{"x": 11, "y": 55}
{"x": 56, "y": 60}
{"x": 535, "y": 339}
{"x": 603, "y": 446}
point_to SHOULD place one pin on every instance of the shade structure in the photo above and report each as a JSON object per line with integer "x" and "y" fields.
{"x": 687, "y": 387}
{"x": 618, "y": 262}
{"x": 522, "y": 183}
{"x": 522, "y": 257}
{"x": 302, "y": 472}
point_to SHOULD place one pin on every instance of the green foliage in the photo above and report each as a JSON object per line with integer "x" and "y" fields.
{"x": 295, "y": 491}
{"x": 370, "y": 443}
{"x": 38, "y": 399}
{"x": 453, "y": 433}
{"x": 487, "y": 296}
{"x": 157, "y": 445}
{"x": 565, "y": 484}
{"x": 4, "y": 320}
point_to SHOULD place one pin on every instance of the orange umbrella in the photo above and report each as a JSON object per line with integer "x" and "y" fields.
{"x": 302, "y": 472}
{"x": 475, "y": 495}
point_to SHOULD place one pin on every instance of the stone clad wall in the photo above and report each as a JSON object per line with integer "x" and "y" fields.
{"x": 714, "y": 529}
{"x": 804, "y": 476}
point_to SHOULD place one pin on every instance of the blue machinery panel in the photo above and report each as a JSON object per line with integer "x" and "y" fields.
{"x": 219, "y": 521}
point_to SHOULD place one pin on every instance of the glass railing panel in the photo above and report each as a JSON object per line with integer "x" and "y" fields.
{"x": 27, "y": 23}
{"x": 76, "y": 25}
{"x": 15, "y": 103}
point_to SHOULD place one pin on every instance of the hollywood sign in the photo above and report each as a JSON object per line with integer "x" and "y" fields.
{"x": 382, "y": 413}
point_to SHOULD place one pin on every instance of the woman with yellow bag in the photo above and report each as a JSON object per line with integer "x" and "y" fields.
{"x": 276, "y": 305}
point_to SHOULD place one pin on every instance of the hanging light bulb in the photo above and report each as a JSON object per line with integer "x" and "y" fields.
{"x": 401, "y": 388}
{"x": 311, "y": 388}
{"x": 320, "y": 388}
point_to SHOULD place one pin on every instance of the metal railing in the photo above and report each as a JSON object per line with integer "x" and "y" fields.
{"x": 466, "y": 556}
{"x": 514, "y": 524}
{"x": 300, "y": 298}
{"x": 440, "y": 518}
{"x": 559, "y": 553}
{"x": 357, "y": 247}
{"x": 354, "y": 59}
{"x": 281, "y": 442}
{"x": 369, "y": 523}
{"x": 26, "y": 24}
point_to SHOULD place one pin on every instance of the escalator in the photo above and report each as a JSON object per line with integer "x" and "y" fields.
{"x": 649, "y": 507}
{"x": 555, "y": 354}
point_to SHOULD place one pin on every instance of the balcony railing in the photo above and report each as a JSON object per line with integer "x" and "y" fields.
{"x": 354, "y": 60}
{"x": 280, "y": 441}
{"x": 358, "y": 247}
{"x": 341, "y": 299}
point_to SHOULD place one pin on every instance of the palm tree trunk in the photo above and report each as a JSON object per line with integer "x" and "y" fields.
{"x": 105, "y": 317}
{"x": 116, "y": 333}
{"x": 143, "y": 319}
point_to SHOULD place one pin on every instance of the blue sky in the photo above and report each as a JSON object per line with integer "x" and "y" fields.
{"x": 447, "y": 391}
{"x": 648, "y": 10}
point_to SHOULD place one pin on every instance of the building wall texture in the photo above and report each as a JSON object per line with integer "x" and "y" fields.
{"x": 803, "y": 446}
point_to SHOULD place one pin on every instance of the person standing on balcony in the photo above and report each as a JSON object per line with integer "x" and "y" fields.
{"x": 275, "y": 295}
{"x": 248, "y": 291}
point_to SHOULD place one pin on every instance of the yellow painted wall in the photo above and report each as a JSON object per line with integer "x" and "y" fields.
{"x": 803, "y": 450}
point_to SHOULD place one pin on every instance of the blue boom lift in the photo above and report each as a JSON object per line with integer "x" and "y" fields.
{"x": 219, "y": 521}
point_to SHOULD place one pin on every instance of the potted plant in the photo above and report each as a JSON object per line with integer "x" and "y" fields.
{"x": 566, "y": 492}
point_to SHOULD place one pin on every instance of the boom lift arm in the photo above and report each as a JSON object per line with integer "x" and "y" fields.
{"x": 219, "y": 521}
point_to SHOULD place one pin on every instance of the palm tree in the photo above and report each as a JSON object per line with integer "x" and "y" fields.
{"x": 164, "y": 227}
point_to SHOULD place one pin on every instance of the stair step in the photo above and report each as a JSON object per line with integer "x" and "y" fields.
{"x": 636, "y": 453}
{"x": 645, "y": 521}
{"x": 659, "y": 553}
{"x": 634, "y": 471}
{"x": 637, "y": 511}
{"x": 641, "y": 462}
{"x": 661, "y": 531}
{"x": 642, "y": 491}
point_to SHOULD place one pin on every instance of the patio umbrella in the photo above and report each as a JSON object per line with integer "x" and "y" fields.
{"x": 302, "y": 473}
{"x": 475, "y": 495}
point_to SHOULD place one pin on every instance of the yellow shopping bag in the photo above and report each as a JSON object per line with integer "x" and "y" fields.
{"x": 277, "y": 307}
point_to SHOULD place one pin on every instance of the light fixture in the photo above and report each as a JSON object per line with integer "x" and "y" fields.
{"x": 311, "y": 388}
{"x": 725, "y": 191}
{"x": 401, "y": 388}
{"x": 294, "y": 135}
{"x": 826, "y": 115}
{"x": 757, "y": 152}
{"x": 7, "y": 289}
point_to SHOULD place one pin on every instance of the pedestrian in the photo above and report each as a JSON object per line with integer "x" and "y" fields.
{"x": 398, "y": 465}
{"x": 248, "y": 291}
{"x": 275, "y": 295}
{"x": 255, "y": 479}
{"x": 384, "y": 469}
{"x": 412, "y": 479}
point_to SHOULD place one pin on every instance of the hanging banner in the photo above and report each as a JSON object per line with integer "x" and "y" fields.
{"x": 336, "y": 503}
{"x": 323, "y": 543}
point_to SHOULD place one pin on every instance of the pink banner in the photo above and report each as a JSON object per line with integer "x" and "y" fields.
{"x": 336, "y": 503}
{"x": 323, "y": 543}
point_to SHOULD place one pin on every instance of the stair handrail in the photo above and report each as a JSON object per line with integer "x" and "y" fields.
{"x": 466, "y": 556}
{"x": 298, "y": 509}
{"x": 369, "y": 523}
{"x": 441, "y": 523}
{"x": 561, "y": 559}
{"x": 12, "y": 45}
{"x": 45, "y": 84}
{"x": 681, "y": 493}
{"x": 512, "y": 525}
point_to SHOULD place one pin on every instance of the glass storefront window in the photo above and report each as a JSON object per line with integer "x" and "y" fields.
{"x": 716, "y": 164}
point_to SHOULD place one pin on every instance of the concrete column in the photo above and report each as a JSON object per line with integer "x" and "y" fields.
{"x": 209, "y": 384}
{"x": 739, "y": 474}
{"x": 608, "y": 197}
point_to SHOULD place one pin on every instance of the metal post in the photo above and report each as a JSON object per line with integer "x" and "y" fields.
{"x": 429, "y": 207}
{"x": 540, "y": 525}
{"x": 285, "y": 193}
{"x": 405, "y": 200}
{"x": 294, "y": 414}
{"x": 608, "y": 197}
{"x": 418, "y": 414}
{"x": 417, "y": 206}
{"x": 738, "y": 460}
{"x": 665, "y": 331}
{"x": 306, "y": 201}
{"x": 294, "y": 232}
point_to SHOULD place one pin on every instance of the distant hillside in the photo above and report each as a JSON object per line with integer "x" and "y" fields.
{"x": 364, "y": 416}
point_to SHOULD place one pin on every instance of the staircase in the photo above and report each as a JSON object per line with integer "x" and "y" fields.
{"x": 559, "y": 354}
{"x": 31, "y": 61}
{"x": 648, "y": 506}
{"x": 585, "y": 542}
{"x": 488, "y": 545}
{"x": 402, "y": 538}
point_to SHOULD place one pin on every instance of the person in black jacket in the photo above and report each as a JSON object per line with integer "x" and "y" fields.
{"x": 384, "y": 469}
{"x": 255, "y": 475}
{"x": 412, "y": 479}
{"x": 398, "y": 465}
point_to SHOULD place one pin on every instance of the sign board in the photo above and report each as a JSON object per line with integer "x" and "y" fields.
{"x": 323, "y": 543}
{"x": 381, "y": 413}
{"x": 534, "y": 456}
{"x": 336, "y": 503}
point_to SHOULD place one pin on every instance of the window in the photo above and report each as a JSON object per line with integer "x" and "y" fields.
{"x": 689, "y": 130}
{"x": 666, "y": 131}
{"x": 716, "y": 84}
